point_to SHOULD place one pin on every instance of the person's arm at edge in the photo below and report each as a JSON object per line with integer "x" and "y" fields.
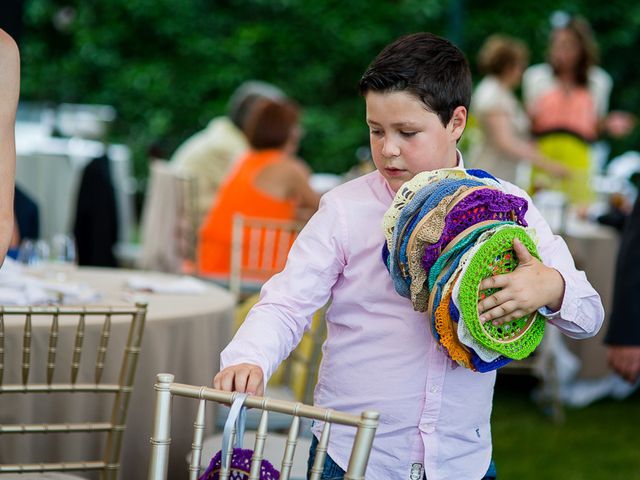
{"x": 9, "y": 94}
{"x": 623, "y": 334}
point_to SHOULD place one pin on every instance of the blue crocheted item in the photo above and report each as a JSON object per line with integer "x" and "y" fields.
{"x": 476, "y": 172}
{"x": 385, "y": 255}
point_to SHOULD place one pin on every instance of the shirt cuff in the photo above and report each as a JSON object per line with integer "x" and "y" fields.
{"x": 548, "y": 313}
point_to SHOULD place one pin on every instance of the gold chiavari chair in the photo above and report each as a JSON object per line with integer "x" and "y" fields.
{"x": 365, "y": 424}
{"x": 69, "y": 364}
{"x": 259, "y": 249}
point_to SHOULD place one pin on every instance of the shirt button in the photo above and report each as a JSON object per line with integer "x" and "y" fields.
{"x": 434, "y": 389}
{"x": 428, "y": 428}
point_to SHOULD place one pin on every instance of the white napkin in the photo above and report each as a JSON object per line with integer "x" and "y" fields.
{"x": 27, "y": 296}
{"x": 182, "y": 286}
{"x": 18, "y": 289}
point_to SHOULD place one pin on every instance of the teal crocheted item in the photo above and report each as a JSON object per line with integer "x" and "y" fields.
{"x": 518, "y": 338}
{"x": 460, "y": 247}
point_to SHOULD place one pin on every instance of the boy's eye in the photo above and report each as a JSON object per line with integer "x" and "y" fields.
{"x": 375, "y": 132}
{"x": 408, "y": 134}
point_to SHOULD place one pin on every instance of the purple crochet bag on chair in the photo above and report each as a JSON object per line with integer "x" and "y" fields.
{"x": 240, "y": 462}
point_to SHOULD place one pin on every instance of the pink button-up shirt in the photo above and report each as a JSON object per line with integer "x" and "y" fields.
{"x": 379, "y": 353}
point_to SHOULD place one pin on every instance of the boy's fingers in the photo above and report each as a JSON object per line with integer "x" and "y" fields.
{"x": 524, "y": 256}
{"x": 254, "y": 383}
{"x": 240, "y": 380}
{"x": 497, "y": 281}
{"x": 225, "y": 381}
{"x": 502, "y": 313}
{"x": 489, "y": 303}
{"x": 216, "y": 381}
{"x": 237, "y": 378}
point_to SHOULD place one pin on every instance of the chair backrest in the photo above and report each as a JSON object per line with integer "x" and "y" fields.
{"x": 59, "y": 381}
{"x": 259, "y": 249}
{"x": 365, "y": 424}
{"x": 170, "y": 221}
{"x": 189, "y": 219}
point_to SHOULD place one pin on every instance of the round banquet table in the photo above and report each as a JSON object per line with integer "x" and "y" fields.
{"x": 184, "y": 335}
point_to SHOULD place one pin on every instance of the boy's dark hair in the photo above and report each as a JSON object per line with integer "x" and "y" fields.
{"x": 425, "y": 65}
{"x": 270, "y": 123}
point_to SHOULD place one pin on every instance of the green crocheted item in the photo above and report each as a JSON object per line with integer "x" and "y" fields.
{"x": 518, "y": 338}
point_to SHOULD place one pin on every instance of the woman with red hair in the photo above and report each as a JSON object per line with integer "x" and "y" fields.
{"x": 269, "y": 182}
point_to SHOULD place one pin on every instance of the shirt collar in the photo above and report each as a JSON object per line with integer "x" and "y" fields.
{"x": 460, "y": 160}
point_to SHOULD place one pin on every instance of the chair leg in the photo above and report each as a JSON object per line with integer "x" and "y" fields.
{"x": 161, "y": 439}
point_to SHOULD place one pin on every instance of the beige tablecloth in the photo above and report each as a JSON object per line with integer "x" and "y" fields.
{"x": 184, "y": 335}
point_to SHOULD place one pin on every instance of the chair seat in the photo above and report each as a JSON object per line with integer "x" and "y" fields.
{"x": 273, "y": 449}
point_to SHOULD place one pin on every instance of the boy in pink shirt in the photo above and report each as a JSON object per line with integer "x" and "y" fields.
{"x": 379, "y": 353}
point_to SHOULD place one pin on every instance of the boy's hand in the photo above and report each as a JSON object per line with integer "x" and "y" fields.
{"x": 530, "y": 286}
{"x": 243, "y": 378}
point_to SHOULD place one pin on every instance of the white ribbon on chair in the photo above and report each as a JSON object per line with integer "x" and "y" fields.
{"x": 237, "y": 417}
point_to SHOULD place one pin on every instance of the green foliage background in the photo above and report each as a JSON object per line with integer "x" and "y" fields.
{"x": 168, "y": 66}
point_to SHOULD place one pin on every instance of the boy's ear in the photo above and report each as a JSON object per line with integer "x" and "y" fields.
{"x": 458, "y": 121}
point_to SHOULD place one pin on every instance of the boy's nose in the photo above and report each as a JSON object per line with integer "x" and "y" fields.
{"x": 390, "y": 149}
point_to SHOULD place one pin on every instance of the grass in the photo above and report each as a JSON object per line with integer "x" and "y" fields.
{"x": 600, "y": 441}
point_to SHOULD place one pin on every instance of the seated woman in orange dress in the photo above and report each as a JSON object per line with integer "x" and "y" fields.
{"x": 269, "y": 182}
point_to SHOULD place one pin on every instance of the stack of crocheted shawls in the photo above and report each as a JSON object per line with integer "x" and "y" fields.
{"x": 446, "y": 231}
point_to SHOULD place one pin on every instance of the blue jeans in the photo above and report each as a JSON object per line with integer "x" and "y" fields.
{"x": 332, "y": 471}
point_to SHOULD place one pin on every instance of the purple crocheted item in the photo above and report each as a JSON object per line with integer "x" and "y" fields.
{"x": 478, "y": 206}
{"x": 240, "y": 467}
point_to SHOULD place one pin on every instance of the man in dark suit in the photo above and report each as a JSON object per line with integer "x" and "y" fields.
{"x": 623, "y": 336}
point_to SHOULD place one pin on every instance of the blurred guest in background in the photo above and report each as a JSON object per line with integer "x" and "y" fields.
{"x": 505, "y": 126}
{"x": 11, "y": 18}
{"x": 623, "y": 336}
{"x": 27, "y": 220}
{"x": 9, "y": 93}
{"x": 567, "y": 100}
{"x": 96, "y": 223}
{"x": 208, "y": 154}
{"x": 269, "y": 182}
